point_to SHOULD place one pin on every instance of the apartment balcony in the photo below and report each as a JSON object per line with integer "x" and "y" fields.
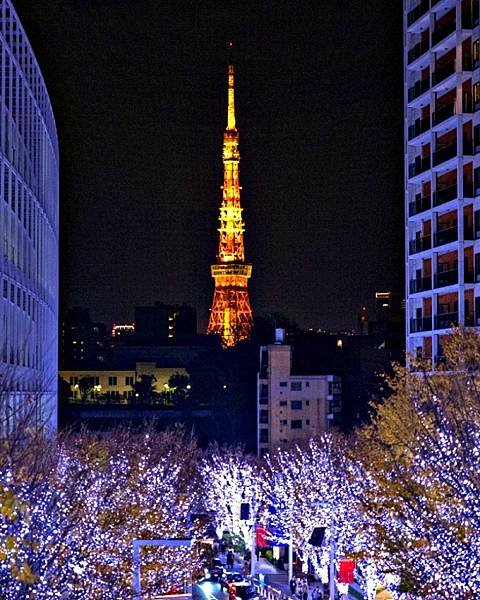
{"x": 420, "y": 284}
{"x": 443, "y": 72}
{"x": 417, "y": 12}
{"x": 445, "y": 236}
{"x": 445, "y": 278}
{"x": 441, "y": 33}
{"x": 418, "y": 88}
{"x": 419, "y": 166}
{"x": 417, "y": 51}
{"x": 419, "y": 205}
{"x": 420, "y": 244}
{"x": 446, "y": 320}
{"x": 470, "y": 19}
{"x": 445, "y": 194}
{"x": 420, "y": 126}
{"x": 442, "y": 113}
{"x": 445, "y": 153}
{"x": 422, "y": 324}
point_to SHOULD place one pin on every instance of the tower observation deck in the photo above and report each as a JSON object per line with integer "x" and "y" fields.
{"x": 231, "y": 313}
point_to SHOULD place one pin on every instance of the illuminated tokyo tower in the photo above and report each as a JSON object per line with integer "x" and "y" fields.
{"x": 231, "y": 313}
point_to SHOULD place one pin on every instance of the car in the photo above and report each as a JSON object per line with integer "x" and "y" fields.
{"x": 246, "y": 591}
{"x": 217, "y": 569}
{"x": 232, "y": 577}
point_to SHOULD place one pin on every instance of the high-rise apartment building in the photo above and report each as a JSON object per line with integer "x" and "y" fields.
{"x": 442, "y": 170}
{"x": 28, "y": 232}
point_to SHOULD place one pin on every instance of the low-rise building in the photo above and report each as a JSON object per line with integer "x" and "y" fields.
{"x": 117, "y": 384}
{"x": 292, "y": 407}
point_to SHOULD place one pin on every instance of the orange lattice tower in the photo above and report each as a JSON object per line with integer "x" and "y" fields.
{"x": 231, "y": 313}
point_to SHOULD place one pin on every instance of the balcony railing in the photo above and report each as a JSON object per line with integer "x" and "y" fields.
{"x": 420, "y": 244}
{"x": 445, "y": 194}
{"x": 442, "y": 72}
{"x": 445, "y": 236}
{"x": 443, "y": 112}
{"x": 420, "y": 126}
{"x": 445, "y": 153}
{"x": 446, "y": 320}
{"x": 418, "y": 88}
{"x": 422, "y": 324}
{"x": 439, "y": 34}
{"x": 418, "y": 50}
{"x": 420, "y": 284}
{"x": 470, "y": 18}
{"x": 419, "y": 166}
{"x": 420, "y": 204}
{"x": 417, "y": 12}
{"x": 445, "y": 278}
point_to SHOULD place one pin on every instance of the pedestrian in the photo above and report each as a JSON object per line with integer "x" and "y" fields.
{"x": 305, "y": 591}
{"x": 230, "y": 560}
{"x": 246, "y": 568}
{"x": 293, "y": 585}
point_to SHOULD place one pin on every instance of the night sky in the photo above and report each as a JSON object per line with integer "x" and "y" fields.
{"x": 138, "y": 89}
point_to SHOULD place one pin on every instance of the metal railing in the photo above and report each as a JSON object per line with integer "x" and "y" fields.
{"x": 445, "y": 236}
{"x": 417, "y": 12}
{"x": 442, "y": 72}
{"x": 419, "y": 166}
{"x": 444, "y": 194}
{"x": 421, "y": 324}
{"x": 420, "y": 204}
{"x": 445, "y": 153}
{"x": 445, "y": 278}
{"x": 442, "y": 113}
{"x": 420, "y": 284}
{"x": 418, "y": 50}
{"x": 420, "y": 126}
{"x": 420, "y": 244}
{"x": 446, "y": 320}
{"x": 439, "y": 34}
{"x": 418, "y": 88}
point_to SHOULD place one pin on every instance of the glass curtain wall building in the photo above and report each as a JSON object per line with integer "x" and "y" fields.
{"x": 442, "y": 170}
{"x": 28, "y": 232}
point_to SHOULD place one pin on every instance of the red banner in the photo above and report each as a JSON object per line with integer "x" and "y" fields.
{"x": 346, "y": 572}
{"x": 261, "y": 537}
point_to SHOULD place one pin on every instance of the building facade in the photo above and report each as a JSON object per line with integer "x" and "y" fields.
{"x": 161, "y": 323}
{"x": 442, "y": 170}
{"x": 292, "y": 408}
{"x": 117, "y": 384}
{"x": 28, "y": 231}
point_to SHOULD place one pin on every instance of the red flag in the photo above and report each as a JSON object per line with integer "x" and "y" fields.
{"x": 346, "y": 573}
{"x": 261, "y": 537}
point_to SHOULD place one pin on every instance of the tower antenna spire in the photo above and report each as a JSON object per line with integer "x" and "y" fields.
{"x": 231, "y": 90}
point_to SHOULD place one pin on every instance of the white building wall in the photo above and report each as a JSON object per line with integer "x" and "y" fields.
{"x": 28, "y": 230}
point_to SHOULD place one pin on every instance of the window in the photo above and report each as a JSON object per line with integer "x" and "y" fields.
{"x": 296, "y": 424}
{"x": 129, "y": 380}
{"x": 307, "y": 402}
{"x": 296, "y": 405}
{"x": 112, "y": 380}
{"x": 334, "y": 387}
{"x": 5, "y": 288}
{"x": 307, "y": 422}
{"x": 263, "y": 393}
{"x": 283, "y": 384}
{"x": 283, "y": 403}
{"x": 96, "y": 381}
{"x": 296, "y": 386}
{"x": 264, "y": 416}
{"x": 307, "y": 384}
{"x": 264, "y": 436}
{"x": 283, "y": 422}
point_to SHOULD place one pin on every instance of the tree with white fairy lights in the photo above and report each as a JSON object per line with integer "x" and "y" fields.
{"x": 421, "y": 469}
{"x": 307, "y": 487}
{"x": 231, "y": 479}
{"x": 69, "y": 532}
